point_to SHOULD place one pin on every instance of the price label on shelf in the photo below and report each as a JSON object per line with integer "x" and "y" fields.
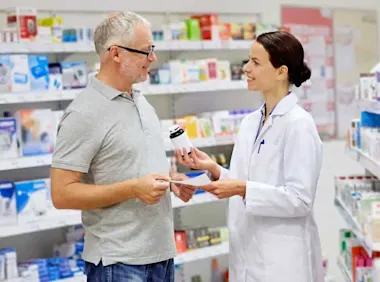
{"x": 14, "y": 164}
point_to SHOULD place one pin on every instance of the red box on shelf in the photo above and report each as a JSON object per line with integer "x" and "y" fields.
{"x": 209, "y": 25}
{"x": 24, "y": 20}
{"x": 180, "y": 241}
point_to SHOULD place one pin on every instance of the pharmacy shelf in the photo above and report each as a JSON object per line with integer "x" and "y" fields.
{"x": 81, "y": 278}
{"x": 58, "y": 220}
{"x": 146, "y": 89}
{"x": 36, "y": 47}
{"x": 343, "y": 268}
{"x": 365, "y": 241}
{"x": 369, "y": 106}
{"x": 174, "y": 45}
{"x": 202, "y": 253}
{"x": 366, "y": 161}
{"x": 204, "y": 86}
{"x": 64, "y": 218}
{"x": 37, "y": 97}
{"x": 46, "y": 160}
{"x": 25, "y": 162}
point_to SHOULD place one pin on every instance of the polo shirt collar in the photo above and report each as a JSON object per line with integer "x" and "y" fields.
{"x": 107, "y": 91}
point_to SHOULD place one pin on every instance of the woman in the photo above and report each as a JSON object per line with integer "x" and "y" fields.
{"x": 273, "y": 174}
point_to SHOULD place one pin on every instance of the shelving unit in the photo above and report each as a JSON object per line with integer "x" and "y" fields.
{"x": 346, "y": 193}
{"x": 62, "y": 218}
{"x": 346, "y": 274}
{"x": 146, "y": 89}
{"x": 366, "y": 161}
{"x": 366, "y": 241}
{"x": 202, "y": 253}
{"x": 174, "y": 45}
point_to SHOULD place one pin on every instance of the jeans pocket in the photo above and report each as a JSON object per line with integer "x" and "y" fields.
{"x": 128, "y": 273}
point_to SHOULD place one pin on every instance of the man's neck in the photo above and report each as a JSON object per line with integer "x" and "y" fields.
{"x": 115, "y": 82}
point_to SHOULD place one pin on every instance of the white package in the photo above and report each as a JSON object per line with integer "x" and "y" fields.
{"x": 31, "y": 200}
{"x": 8, "y": 138}
{"x": 8, "y": 211}
{"x": 20, "y": 73}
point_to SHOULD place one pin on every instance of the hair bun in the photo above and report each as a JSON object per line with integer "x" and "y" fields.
{"x": 301, "y": 75}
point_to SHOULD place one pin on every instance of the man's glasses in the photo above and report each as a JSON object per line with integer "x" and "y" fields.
{"x": 147, "y": 53}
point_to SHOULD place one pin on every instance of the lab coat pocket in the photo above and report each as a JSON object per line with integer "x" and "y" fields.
{"x": 285, "y": 259}
{"x": 265, "y": 163}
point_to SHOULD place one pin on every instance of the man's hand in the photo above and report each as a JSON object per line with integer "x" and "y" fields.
{"x": 151, "y": 188}
{"x": 184, "y": 192}
{"x": 226, "y": 188}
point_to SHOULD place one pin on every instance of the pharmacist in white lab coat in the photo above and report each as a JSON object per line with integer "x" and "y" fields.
{"x": 274, "y": 172}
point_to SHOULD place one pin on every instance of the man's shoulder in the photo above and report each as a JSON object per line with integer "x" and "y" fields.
{"x": 87, "y": 103}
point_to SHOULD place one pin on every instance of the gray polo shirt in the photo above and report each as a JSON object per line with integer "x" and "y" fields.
{"x": 112, "y": 137}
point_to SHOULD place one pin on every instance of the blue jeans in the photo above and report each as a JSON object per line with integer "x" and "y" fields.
{"x": 155, "y": 272}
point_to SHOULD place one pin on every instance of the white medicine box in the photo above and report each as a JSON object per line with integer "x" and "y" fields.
{"x": 8, "y": 138}
{"x": 31, "y": 199}
{"x": 8, "y": 211}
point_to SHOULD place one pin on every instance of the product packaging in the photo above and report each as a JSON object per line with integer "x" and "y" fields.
{"x": 74, "y": 75}
{"x": 55, "y": 77}
{"x": 8, "y": 138}
{"x": 5, "y": 73}
{"x": 39, "y": 72}
{"x": 8, "y": 212}
{"x": 20, "y": 73}
{"x": 31, "y": 200}
{"x": 36, "y": 131}
{"x": 179, "y": 138}
{"x": 24, "y": 20}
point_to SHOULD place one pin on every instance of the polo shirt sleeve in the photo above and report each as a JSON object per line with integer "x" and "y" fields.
{"x": 78, "y": 142}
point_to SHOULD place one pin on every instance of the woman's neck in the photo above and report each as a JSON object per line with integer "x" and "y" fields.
{"x": 272, "y": 97}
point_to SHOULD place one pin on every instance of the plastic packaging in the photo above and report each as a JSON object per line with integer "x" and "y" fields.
{"x": 179, "y": 138}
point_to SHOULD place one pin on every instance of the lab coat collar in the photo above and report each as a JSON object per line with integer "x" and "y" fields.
{"x": 283, "y": 106}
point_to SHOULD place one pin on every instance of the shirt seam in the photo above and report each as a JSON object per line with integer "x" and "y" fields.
{"x": 68, "y": 164}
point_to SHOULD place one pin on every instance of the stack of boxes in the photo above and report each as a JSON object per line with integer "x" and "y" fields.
{"x": 23, "y": 73}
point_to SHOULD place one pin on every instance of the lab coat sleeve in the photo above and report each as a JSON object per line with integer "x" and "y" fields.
{"x": 302, "y": 165}
{"x": 224, "y": 173}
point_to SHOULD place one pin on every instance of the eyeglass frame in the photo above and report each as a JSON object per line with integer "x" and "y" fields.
{"x": 147, "y": 53}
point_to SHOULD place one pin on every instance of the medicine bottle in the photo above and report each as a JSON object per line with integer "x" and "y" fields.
{"x": 179, "y": 138}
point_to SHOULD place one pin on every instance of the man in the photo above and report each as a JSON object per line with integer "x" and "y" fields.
{"x": 110, "y": 162}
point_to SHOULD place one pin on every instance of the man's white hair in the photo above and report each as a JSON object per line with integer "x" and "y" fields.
{"x": 117, "y": 28}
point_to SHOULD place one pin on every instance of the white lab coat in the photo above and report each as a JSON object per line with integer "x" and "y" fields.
{"x": 273, "y": 235}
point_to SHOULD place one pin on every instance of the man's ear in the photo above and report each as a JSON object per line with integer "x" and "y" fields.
{"x": 114, "y": 52}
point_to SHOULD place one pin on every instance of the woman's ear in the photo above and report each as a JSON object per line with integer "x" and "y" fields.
{"x": 283, "y": 72}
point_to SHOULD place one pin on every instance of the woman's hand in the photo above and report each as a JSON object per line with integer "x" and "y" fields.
{"x": 226, "y": 188}
{"x": 196, "y": 160}
{"x": 184, "y": 192}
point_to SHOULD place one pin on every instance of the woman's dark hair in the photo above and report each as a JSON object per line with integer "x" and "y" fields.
{"x": 286, "y": 50}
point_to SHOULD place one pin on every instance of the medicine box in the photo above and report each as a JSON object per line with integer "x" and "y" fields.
{"x": 38, "y": 72}
{"x": 35, "y": 130}
{"x": 24, "y": 20}
{"x": 74, "y": 75}
{"x": 55, "y": 77}
{"x": 8, "y": 212}
{"x": 31, "y": 199}
{"x": 20, "y": 73}
{"x": 5, "y": 73}
{"x": 8, "y": 138}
